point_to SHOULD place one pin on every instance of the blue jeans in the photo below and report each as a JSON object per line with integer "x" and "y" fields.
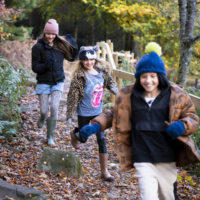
{"x": 47, "y": 89}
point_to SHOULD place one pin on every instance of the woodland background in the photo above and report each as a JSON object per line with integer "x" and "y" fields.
{"x": 130, "y": 25}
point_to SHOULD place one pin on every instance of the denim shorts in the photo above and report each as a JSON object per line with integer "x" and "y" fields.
{"x": 47, "y": 89}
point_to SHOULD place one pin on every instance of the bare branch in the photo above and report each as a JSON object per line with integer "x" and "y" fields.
{"x": 195, "y": 39}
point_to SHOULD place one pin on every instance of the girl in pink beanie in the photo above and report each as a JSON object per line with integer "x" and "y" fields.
{"x": 47, "y": 62}
{"x": 51, "y": 27}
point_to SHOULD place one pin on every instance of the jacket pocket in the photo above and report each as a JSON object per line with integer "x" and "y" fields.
{"x": 150, "y": 126}
{"x": 155, "y": 136}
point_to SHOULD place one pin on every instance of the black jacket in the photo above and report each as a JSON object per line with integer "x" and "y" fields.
{"x": 41, "y": 51}
{"x": 151, "y": 143}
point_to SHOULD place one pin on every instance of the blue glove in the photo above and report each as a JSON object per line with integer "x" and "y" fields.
{"x": 175, "y": 130}
{"x": 49, "y": 63}
{"x": 88, "y": 130}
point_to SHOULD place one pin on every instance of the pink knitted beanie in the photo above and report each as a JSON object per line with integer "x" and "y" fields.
{"x": 51, "y": 27}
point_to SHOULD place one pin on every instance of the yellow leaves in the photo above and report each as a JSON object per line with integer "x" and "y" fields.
{"x": 192, "y": 183}
{"x": 189, "y": 178}
{"x": 179, "y": 178}
{"x": 183, "y": 173}
{"x": 15, "y": 16}
{"x": 85, "y": 171}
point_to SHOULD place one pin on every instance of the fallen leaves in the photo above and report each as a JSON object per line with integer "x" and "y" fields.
{"x": 20, "y": 168}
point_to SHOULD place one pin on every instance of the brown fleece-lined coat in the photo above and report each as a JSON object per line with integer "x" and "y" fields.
{"x": 180, "y": 108}
{"x": 76, "y": 91}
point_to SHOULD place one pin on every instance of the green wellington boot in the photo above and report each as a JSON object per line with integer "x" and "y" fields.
{"x": 51, "y": 125}
{"x": 40, "y": 122}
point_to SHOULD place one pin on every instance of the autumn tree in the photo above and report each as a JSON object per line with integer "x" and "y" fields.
{"x": 76, "y": 12}
{"x": 18, "y": 33}
{"x": 187, "y": 15}
{"x": 6, "y": 14}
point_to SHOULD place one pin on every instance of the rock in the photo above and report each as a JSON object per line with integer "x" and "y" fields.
{"x": 20, "y": 192}
{"x": 23, "y": 109}
{"x": 31, "y": 82}
{"x": 13, "y": 149}
{"x": 198, "y": 86}
{"x": 34, "y": 108}
{"x": 27, "y": 76}
{"x": 57, "y": 161}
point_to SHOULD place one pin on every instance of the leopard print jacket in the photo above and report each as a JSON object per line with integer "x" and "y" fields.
{"x": 76, "y": 91}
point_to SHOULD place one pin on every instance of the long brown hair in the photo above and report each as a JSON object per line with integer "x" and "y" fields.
{"x": 61, "y": 44}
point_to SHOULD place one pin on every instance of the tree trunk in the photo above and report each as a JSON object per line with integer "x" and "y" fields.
{"x": 135, "y": 46}
{"x": 128, "y": 41}
{"x": 187, "y": 13}
{"x": 92, "y": 35}
{"x": 75, "y": 30}
{"x": 91, "y": 39}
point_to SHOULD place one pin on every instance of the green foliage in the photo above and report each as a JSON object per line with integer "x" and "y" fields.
{"x": 26, "y": 6}
{"x": 7, "y": 129}
{"x": 18, "y": 33}
{"x": 6, "y": 14}
{"x": 193, "y": 91}
{"x": 21, "y": 11}
{"x": 79, "y": 10}
{"x": 125, "y": 67}
{"x": 11, "y": 89}
{"x": 196, "y": 138}
{"x": 106, "y": 96}
{"x": 108, "y": 106}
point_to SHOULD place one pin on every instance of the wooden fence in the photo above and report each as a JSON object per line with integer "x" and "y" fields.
{"x": 106, "y": 51}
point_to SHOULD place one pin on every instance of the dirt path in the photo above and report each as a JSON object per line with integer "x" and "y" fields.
{"x": 20, "y": 168}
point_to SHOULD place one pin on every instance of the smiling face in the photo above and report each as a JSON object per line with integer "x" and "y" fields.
{"x": 149, "y": 81}
{"x": 89, "y": 64}
{"x": 50, "y": 37}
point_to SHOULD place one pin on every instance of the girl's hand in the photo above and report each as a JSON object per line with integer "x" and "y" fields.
{"x": 175, "y": 129}
{"x": 49, "y": 62}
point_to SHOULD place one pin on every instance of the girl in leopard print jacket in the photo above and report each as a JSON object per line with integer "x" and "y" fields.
{"x": 86, "y": 98}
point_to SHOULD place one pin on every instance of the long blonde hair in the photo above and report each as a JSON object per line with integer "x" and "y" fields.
{"x": 99, "y": 64}
{"x": 61, "y": 44}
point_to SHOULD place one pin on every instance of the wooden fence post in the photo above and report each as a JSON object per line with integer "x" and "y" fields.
{"x": 98, "y": 52}
{"x": 119, "y": 80}
{"x": 103, "y": 52}
{"x": 115, "y": 57}
{"x": 111, "y": 47}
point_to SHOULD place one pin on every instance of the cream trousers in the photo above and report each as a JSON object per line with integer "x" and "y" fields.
{"x": 156, "y": 180}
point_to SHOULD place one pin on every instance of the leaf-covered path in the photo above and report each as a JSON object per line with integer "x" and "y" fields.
{"x": 20, "y": 167}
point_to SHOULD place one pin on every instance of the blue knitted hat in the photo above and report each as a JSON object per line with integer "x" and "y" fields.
{"x": 87, "y": 53}
{"x": 151, "y": 61}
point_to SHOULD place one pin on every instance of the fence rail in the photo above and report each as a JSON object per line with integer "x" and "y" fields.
{"x": 106, "y": 49}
